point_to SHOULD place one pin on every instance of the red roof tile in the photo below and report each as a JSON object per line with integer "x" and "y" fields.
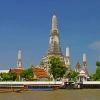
{"x": 18, "y": 71}
{"x": 40, "y": 73}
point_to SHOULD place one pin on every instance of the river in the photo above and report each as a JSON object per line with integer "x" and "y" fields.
{"x": 61, "y": 94}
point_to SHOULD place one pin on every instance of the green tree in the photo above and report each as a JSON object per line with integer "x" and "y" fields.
{"x": 5, "y": 76}
{"x": 57, "y": 69}
{"x": 13, "y": 75}
{"x": 23, "y": 74}
{"x": 91, "y": 77}
{"x": 27, "y": 74}
{"x": 73, "y": 75}
{"x": 98, "y": 63}
{"x": 96, "y": 75}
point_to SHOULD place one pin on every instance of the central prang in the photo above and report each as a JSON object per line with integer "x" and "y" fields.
{"x": 54, "y": 46}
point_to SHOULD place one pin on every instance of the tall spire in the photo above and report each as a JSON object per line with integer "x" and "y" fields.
{"x": 67, "y": 61}
{"x": 54, "y": 46}
{"x": 54, "y": 42}
{"x": 19, "y": 55}
{"x": 54, "y": 22}
{"x": 84, "y": 57}
{"x": 85, "y": 64}
{"x": 67, "y": 52}
{"x": 19, "y": 62}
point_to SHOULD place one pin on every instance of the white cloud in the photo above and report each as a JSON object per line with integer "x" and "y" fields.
{"x": 95, "y": 45}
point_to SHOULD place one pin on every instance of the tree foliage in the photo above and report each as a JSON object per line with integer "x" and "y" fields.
{"x": 91, "y": 77}
{"x": 27, "y": 73}
{"x": 57, "y": 69}
{"x": 13, "y": 75}
{"x": 72, "y": 75}
{"x": 9, "y": 76}
{"x": 5, "y": 77}
{"x": 98, "y": 63}
{"x": 96, "y": 76}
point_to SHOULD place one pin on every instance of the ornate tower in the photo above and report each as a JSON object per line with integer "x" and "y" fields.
{"x": 19, "y": 62}
{"x": 85, "y": 64}
{"x": 67, "y": 60}
{"x": 78, "y": 67}
{"x": 54, "y": 45}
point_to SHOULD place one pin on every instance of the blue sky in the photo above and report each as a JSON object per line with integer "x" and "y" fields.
{"x": 25, "y": 25}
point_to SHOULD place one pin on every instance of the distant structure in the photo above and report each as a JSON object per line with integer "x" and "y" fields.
{"x": 85, "y": 64}
{"x": 67, "y": 60}
{"x": 78, "y": 67}
{"x": 82, "y": 76}
{"x": 19, "y": 69}
{"x": 40, "y": 74}
{"x": 19, "y": 62}
{"x": 54, "y": 46}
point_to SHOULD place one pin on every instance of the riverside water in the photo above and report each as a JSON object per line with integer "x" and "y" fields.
{"x": 61, "y": 94}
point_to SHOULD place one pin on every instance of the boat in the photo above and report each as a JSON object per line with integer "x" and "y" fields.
{"x": 43, "y": 88}
{"x": 25, "y": 89}
{"x": 69, "y": 85}
{"x": 11, "y": 85}
{"x": 30, "y": 85}
{"x": 6, "y": 91}
{"x": 17, "y": 90}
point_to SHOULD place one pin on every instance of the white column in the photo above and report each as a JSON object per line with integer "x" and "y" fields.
{"x": 54, "y": 23}
{"x": 84, "y": 57}
{"x": 67, "y": 52}
{"x": 19, "y": 55}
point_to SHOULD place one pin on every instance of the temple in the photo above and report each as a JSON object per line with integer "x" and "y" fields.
{"x": 78, "y": 67}
{"x": 54, "y": 46}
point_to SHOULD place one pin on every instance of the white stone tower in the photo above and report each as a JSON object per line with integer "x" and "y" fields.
{"x": 85, "y": 64}
{"x": 54, "y": 45}
{"x": 19, "y": 62}
{"x": 54, "y": 41}
{"x": 67, "y": 60}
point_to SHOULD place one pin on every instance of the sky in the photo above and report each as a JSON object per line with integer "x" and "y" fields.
{"x": 25, "y": 25}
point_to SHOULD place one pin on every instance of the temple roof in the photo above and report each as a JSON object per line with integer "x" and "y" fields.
{"x": 18, "y": 71}
{"x": 82, "y": 73}
{"x": 40, "y": 73}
